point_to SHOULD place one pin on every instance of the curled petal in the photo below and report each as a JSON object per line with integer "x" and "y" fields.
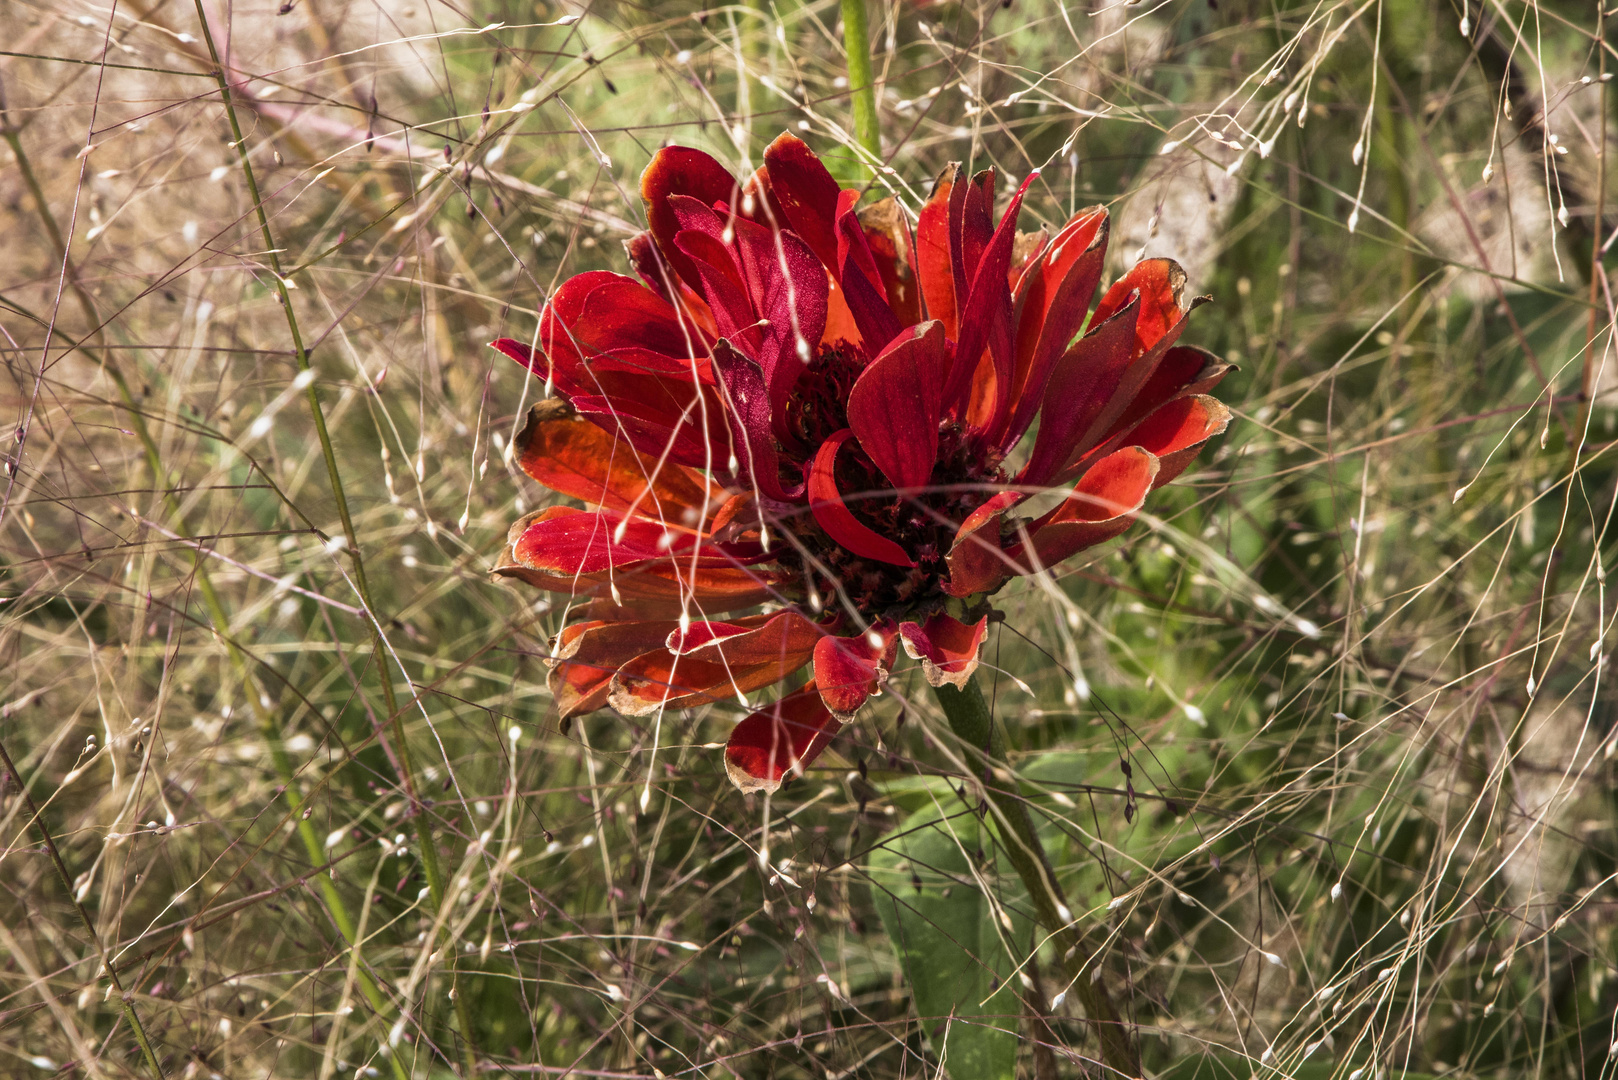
{"x": 946, "y": 647}
{"x": 888, "y": 235}
{"x": 1177, "y": 431}
{"x": 757, "y": 639}
{"x": 806, "y": 193}
{"x": 779, "y": 741}
{"x": 833, "y": 515}
{"x": 977, "y": 561}
{"x": 1078, "y": 390}
{"x": 1103, "y": 504}
{"x": 581, "y": 460}
{"x": 1161, "y": 284}
{"x": 586, "y": 655}
{"x": 680, "y": 170}
{"x": 850, "y": 669}
{"x": 660, "y": 680}
{"x": 662, "y": 588}
{"x": 897, "y": 402}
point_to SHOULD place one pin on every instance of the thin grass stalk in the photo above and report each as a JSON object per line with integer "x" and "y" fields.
{"x": 423, "y": 827}
{"x": 970, "y": 719}
{"x": 126, "y": 1000}
{"x": 861, "y": 82}
{"x": 217, "y": 616}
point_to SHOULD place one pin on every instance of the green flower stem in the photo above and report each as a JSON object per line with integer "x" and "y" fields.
{"x": 210, "y": 596}
{"x": 861, "y": 83}
{"x": 972, "y": 723}
{"x": 423, "y": 827}
{"x": 126, "y": 1000}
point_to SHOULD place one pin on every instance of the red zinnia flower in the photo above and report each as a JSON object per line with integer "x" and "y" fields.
{"x": 808, "y": 410}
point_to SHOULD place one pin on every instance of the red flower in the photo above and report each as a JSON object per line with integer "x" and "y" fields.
{"x": 805, "y": 409}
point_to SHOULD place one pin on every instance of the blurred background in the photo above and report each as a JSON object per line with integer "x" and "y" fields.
{"x": 1322, "y": 750}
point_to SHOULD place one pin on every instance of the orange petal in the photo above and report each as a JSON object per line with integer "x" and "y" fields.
{"x": 587, "y": 654}
{"x": 581, "y": 460}
{"x": 977, "y": 562}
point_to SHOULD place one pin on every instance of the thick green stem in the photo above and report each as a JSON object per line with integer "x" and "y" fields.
{"x": 861, "y": 84}
{"x": 423, "y": 826}
{"x": 970, "y": 719}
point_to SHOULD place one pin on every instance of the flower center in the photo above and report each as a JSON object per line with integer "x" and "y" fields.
{"x": 965, "y": 474}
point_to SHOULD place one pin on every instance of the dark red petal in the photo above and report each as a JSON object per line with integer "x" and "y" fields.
{"x": 752, "y": 418}
{"x": 780, "y": 739}
{"x": 935, "y": 253}
{"x": 1103, "y": 504}
{"x": 897, "y": 403}
{"x": 849, "y": 670}
{"x": 680, "y": 170}
{"x": 977, "y": 562}
{"x": 946, "y": 647}
{"x": 806, "y": 194}
{"x": 833, "y": 515}
{"x": 1078, "y": 390}
{"x": 1185, "y": 370}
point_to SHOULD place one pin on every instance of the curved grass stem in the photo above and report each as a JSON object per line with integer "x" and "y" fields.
{"x": 970, "y": 719}
{"x": 423, "y": 826}
{"x": 126, "y": 1000}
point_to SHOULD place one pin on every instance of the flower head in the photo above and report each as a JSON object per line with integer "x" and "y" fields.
{"x": 801, "y": 438}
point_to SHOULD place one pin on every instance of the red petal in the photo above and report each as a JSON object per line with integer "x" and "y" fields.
{"x": 806, "y": 193}
{"x": 986, "y": 321}
{"x": 1161, "y": 283}
{"x": 1103, "y": 504}
{"x": 567, "y": 541}
{"x": 581, "y": 460}
{"x": 862, "y": 285}
{"x": 659, "y": 680}
{"x": 1177, "y": 431}
{"x": 1078, "y": 390}
{"x": 897, "y": 403}
{"x": 660, "y": 589}
{"x": 888, "y": 234}
{"x": 946, "y": 647}
{"x": 977, "y": 563}
{"x": 934, "y": 259}
{"x": 781, "y": 739}
{"x": 833, "y": 515}
{"x": 645, "y": 413}
{"x": 1185, "y": 370}
{"x": 1052, "y": 303}
{"x": 850, "y": 669}
{"x": 587, "y": 654}
{"x": 757, "y": 639}
{"x": 680, "y": 170}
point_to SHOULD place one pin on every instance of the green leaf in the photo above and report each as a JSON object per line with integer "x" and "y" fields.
{"x": 951, "y": 941}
